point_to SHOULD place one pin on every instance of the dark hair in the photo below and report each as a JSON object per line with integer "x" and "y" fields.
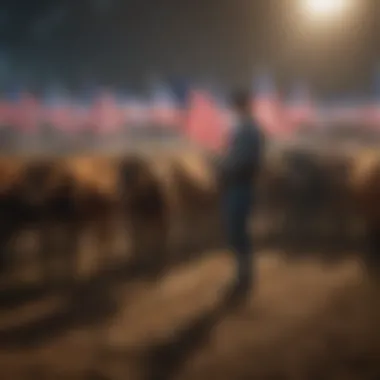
{"x": 241, "y": 99}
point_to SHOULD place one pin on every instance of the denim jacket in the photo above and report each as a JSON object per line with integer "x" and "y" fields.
{"x": 244, "y": 152}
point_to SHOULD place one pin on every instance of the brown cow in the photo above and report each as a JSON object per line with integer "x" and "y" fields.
{"x": 144, "y": 204}
{"x": 365, "y": 181}
{"x": 196, "y": 183}
{"x": 271, "y": 198}
{"x": 338, "y": 203}
{"x": 39, "y": 198}
{"x": 168, "y": 197}
{"x": 10, "y": 209}
{"x": 92, "y": 189}
{"x": 196, "y": 189}
{"x": 63, "y": 196}
{"x": 44, "y": 199}
{"x": 306, "y": 192}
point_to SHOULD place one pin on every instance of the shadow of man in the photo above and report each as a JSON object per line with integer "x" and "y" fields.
{"x": 163, "y": 361}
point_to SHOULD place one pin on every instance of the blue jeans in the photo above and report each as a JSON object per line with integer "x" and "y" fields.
{"x": 237, "y": 204}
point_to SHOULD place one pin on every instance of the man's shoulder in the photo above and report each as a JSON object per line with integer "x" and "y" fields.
{"x": 255, "y": 124}
{"x": 247, "y": 129}
{"x": 253, "y": 129}
{"x": 257, "y": 130}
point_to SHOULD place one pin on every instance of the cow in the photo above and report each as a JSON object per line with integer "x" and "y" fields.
{"x": 271, "y": 195}
{"x": 365, "y": 185}
{"x": 144, "y": 205}
{"x": 38, "y": 197}
{"x": 305, "y": 192}
{"x": 196, "y": 187}
{"x": 295, "y": 188}
{"x": 11, "y": 211}
{"x": 337, "y": 208}
{"x": 91, "y": 184}
{"x": 58, "y": 196}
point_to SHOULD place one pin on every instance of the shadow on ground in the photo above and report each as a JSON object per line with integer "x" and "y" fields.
{"x": 164, "y": 360}
{"x": 83, "y": 304}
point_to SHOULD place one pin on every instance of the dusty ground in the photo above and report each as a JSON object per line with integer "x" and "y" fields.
{"x": 304, "y": 320}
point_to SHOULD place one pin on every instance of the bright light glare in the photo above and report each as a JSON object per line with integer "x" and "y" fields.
{"x": 324, "y": 8}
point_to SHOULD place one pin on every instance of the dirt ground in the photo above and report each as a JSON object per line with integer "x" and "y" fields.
{"x": 303, "y": 319}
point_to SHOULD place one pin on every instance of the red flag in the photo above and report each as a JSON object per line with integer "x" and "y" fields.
{"x": 300, "y": 113}
{"x": 29, "y": 113}
{"x": 164, "y": 116}
{"x": 106, "y": 114}
{"x": 300, "y": 108}
{"x": 82, "y": 118}
{"x": 63, "y": 119}
{"x": 134, "y": 112}
{"x": 61, "y": 116}
{"x": 271, "y": 115}
{"x": 205, "y": 123}
{"x": 163, "y": 107}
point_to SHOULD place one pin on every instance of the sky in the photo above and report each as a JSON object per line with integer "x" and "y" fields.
{"x": 217, "y": 42}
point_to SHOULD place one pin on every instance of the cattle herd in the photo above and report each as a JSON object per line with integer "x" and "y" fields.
{"x": 304, "y": 195}
{"x": 62, "y": 198}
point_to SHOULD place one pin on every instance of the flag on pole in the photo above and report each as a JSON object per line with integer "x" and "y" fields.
{"x": 29, "y": 113}
{"x": 350, "y": 112}
{"x": 80, "y": 115}
{"x": 121, "y": 101}
{"x": 134, "y": 111}
{"x": 267, "y": 108}
{"x": 226, "y": 112}
{"x": 106, "y": 114}
{"x": 205, "y": 124}
{"x": 163, "y": 107}
{"x": 58, "y": 112}
{"x": 83, "y": 110}
{"x": 299, "y": 108}
{"x": 180, "y": 89}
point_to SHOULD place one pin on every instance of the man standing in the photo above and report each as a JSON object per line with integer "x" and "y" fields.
{"x": 239, "y": 171}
